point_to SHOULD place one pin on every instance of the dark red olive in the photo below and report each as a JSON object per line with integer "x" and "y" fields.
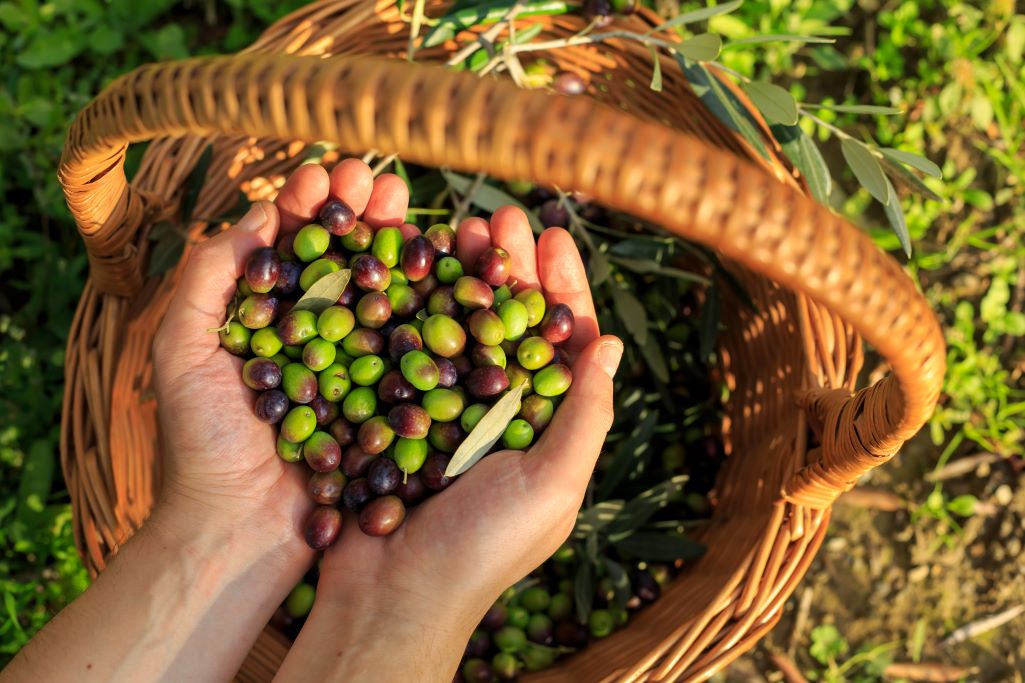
{"x": 553, "y": 214}
{"x": 343, "y": 431}
{"x": 570, "y": 634}
{"x": 464, "y": 366}
{"x": 375, "y": 435}
{"x": 417, "y": 258}
{"x": 426, "y": 286}
{"x": 443, "y": 238}
{"x": 412, "y": 490}
{"x": 384, "y": 476}
{"x": 322, "y": 452}
{"x": 441, "y": 301}
{"x": 262, "y": 269}
{"x": 410, "y": 421}
{"x": 370, "y": 274}
{"x": 568, "y": 83}
{"x": 284, "y": 246}
{"x": 557, "y": 325}
{"x": 494, "y": 618}
{"x": 323, "y": 526}
{"x": 478, "y": 646}
{"x": 433, "y": 471}
{"x": 394, "y": 388}
{"x": 645, "y": 586}
{"x": 337, "y": 217}
{"x": 324, "y": 410}
{"x": 355, "y": 461}
{"x": 326, "y": 487}
{"x": 493, "y": 266}
{"x": 356, "y": 494}
{"x": 487, "y": 382}
{"x": 271, "y": 406}
{"x": 402, "y": 340}
{"x": 349, "y": 295}
{"x": 382, "y": 516}
{"x": 446, "y": 436}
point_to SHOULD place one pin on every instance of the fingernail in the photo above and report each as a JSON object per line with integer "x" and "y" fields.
{"x": 609, "y": 354}
{"x": 254, "y": 219}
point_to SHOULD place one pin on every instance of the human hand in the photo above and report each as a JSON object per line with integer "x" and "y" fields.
{"x": 427, "y": 585}
{"x": 220, "y": 460}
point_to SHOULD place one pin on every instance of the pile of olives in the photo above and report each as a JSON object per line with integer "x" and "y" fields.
{"x": 377, "y": 390}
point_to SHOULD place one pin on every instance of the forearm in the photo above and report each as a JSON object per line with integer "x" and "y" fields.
{"x": 373, "y": 638}
{"x": 176, "y": 603}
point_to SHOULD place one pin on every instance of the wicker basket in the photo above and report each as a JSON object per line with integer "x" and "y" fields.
{"x": 796, "y": 434}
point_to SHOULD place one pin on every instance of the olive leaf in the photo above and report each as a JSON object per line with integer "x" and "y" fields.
{"x": 631, "y": 312}
{"x": 895, "y": 214}
{"x": 600, "y": 269}
{"x": 639, "y": 510}
{"x": 490, "y": 198}
{"x": 775, "y": 103}
{"x": 703, "y": 47}
{"x": 659, "y": 547}
{"x": 913, "y": 160}
{"x": 906, "y": 178}
{"x": 698, "y": 15}
{"x": 324, "y": 292}
{"x": 583, "y": 590}
{"x": 631, "y": 454}
{"x": 805, "y": 155}
{"x": 487, "y": 432}
{"x": 777, "y": 38}
{"x": 722, "y": 103}
{"x": 593, "y": 519}
{"x": 656, "y": 360}
{"x": 856, "y": 108}
{"x": 866, "y": 167}
{"x": 169, "y": 245}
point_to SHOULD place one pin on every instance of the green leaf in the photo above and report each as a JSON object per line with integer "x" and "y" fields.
{"x": 473, "y": 14}
{"x": 105, "y": 40}
{"x": 490, "y": 198}
{"x": 777, "y": 38}
{"x": 963, "y": 506}
{"x": 51, "y": 48}
{"x": 895, "y": 214}
{"x": 701, "y": 48}
{"x": 167, "y": 43}
{"x": 487, "y": 432}
{"x": 655, "y": 359}
{"x": 639, "y": 510}
{"x": 631, "y": 454}
{"x": 805, "y": 155}
{"x": 698, "y": 15}
{"x": 866, "y": 168}
{"x": 723, "y": 104}
{"x": 659, "y": 547}
{"x": 907, "y": 179}
{"x": 777, "y": 104}
{"x": 913, "y": 160}
{"x": 631, "y": 311}
{"x": 324, "y": 292}
{"x": 194, "y": 184}
{"x": 36, "y": 478}
{"x": 826, "y": 643}
{"x": 595, "y": 518}
{"x": 14, "y": 18}
{"x": 856, "y": 108}
{"x": 583, "y": 590}
{"x": 656, "y": 69}
{"x": 620, "y": 582}
{"x": 168, "y": 250}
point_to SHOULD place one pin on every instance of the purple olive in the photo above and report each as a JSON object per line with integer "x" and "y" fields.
{"x": 426, "y": 286}
{"x": 337, "y": 217}
{"x": 441, "y": 301}
{"x": 394, "y": 388}
{"x": 325, "y": 411}
{"x": 261, "y": 374}
{"x": 382, "y": 516}
{"x": 384, "y": 476}
{"x": 323, "y": 526}
{"x": 262, "y": 270}
{"x": 447, "y": 373}
{"x": 271, "y": 406}
{"x": 412, "y": 490}
{"x": 356, "y": 494}
{"x": 284, "y": 247}
{"x": 355, "y": 461}
{"x": 343, "y": 431}
{"x": 325, "y": 488}
{"x": 370, "y": 274}
{"x": 445, "y": 436}
{"x": 417, "y": 258}
{"x": 288, "y": 278}
{"x": 433, "y": 471}
{"x": 487, "y": 382}
{"x": 553, "y": 214}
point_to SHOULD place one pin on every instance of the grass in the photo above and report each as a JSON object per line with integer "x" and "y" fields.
{"x": 954, "y": 68}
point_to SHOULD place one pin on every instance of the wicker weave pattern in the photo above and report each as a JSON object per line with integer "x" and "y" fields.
{"x": 819, "y": 284}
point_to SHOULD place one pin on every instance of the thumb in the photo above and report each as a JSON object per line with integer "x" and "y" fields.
{"x": 209, "y": 279}
{"x": 573, "y": 440}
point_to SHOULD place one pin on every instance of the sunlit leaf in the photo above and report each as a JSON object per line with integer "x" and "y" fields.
{"x": 487, "y": 432}
{"x": 324, "y": 292}
{"x": 866, "y": 168}
{"x": 775, "y": 103}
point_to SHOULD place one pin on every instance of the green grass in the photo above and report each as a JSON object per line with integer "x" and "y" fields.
{"x": 953, "y": 68}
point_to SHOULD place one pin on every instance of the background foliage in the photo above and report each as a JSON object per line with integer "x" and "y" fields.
{"x": 954, "y": 68}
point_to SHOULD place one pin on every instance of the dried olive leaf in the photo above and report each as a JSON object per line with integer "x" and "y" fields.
{"x": 487, "y": 432}
{"x": 324, "y": 292}
{"x": 620, "y": 582}
{"x": 866, "y": 167}
{"x": 659, "y": 547}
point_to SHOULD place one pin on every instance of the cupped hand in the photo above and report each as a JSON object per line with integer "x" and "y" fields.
{"x": 220, "y": 461}
{"x": 429, "y": 583}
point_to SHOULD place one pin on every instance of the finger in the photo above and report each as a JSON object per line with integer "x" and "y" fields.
{"x": 573, "y": 440}
{"x": 352, "y": 181}
{"x": 388, "y": 202}
{"x": 301, "y": 197}
{"x": 473, "y": 236}
{"x": 409, "y": 231}
{"x": 209, "y": 279}
{"x": 565, "y": 282}
{"x": 511, "y": 231}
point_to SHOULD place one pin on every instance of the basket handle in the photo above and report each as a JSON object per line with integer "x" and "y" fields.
{"x": 440, "y": 118}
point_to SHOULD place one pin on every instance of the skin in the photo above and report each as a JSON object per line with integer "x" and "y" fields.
{"x": 187, "y": 596}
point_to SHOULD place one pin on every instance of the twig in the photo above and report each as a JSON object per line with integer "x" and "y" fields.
{"x": 803, "y": 609}
{"x": 927, "y": 672}
{"x": 383, "y": 164}
{"x": 962, "y": 466}
{"x": 977, "y": 628}
{"x": 486, "y": 40}
{"x": 464, "y": 203}
{"x": 580, "y": 39}
{"x": 786, "y": 666}
{"x": 414, "y": 28}
{"x": 873, "y": 499}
